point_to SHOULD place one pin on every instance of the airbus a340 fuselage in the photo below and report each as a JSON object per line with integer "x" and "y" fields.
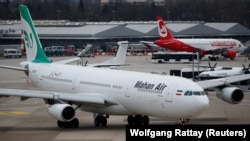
{"x": 159, "y": 95}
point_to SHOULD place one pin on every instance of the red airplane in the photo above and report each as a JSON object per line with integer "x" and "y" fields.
{"x": 226, "y": 47}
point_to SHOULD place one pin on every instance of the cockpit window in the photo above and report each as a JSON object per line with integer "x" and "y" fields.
{"x": 203, "y": 93}
{"x": 196, "y": 93}
{"x": 188, "y": 93}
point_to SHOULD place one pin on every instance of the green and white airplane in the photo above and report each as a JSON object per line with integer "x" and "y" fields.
{"x": 105, "y": 92}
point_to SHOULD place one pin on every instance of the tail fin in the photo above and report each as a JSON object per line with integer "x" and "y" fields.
{"x": 120, "y": 56}
{"x": 162, "y": 29}
{"x": 33, "y": 46}
{"x": 119, "y": 59}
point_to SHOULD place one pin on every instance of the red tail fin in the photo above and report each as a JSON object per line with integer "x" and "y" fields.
{"x": 163, "y": 30}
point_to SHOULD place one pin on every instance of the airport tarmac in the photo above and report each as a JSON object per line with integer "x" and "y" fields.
{"x": 29, "y": 120}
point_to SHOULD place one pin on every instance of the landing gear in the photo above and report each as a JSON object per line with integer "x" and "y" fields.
{"x": 138, "y": 120}
{"x": 184, "y": 121}
{"x": 71, "y": 124}
{"x": 213, "y": 58}
{"x": 100, "y": 120}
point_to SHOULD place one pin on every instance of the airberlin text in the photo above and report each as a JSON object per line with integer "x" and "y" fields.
{"x": 140, "y": 85}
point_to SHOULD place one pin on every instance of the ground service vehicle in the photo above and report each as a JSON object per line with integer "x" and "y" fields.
{"x": 15, "y": 53}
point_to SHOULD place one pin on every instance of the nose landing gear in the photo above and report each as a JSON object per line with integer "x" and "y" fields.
{"x": 184, "y": 121}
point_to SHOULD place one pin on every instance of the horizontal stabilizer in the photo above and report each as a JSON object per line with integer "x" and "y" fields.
{"x": 13, "y": 68}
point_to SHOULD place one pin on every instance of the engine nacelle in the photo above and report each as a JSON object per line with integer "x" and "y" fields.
{"x": 62, "y": 112}
{"x": 232, "y": 95}
{"x": 229, "y": 54}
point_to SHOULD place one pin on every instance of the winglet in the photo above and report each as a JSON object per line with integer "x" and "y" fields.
{"x": 33, "y": 46}
{"x": 162, "y": 29}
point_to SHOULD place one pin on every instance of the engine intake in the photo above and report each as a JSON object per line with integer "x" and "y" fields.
{"x": 62, "y": 112}
{"x": 232, "y": 95}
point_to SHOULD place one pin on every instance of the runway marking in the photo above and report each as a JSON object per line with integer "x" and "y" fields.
{"x": 13, "y": 113}
{"x": 7, "y": 109}
{"x": 9, "y": 104}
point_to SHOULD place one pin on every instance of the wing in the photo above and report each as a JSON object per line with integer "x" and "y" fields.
{"x": 68, "y": 60}
{"x": 83, "y": 98}
{"x": 148, "y": 44}
{"x": 206, "y": 84}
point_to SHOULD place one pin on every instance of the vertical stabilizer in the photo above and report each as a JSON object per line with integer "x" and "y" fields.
{"x": 120, "y": 56}
{"x": 33, "y": 46}
{"x": 163, "y": 30}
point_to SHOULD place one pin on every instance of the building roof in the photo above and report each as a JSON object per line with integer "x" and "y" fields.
{"x": 109, "y": 30}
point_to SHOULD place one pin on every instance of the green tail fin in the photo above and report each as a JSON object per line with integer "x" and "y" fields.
{"x": 34, "y": 50}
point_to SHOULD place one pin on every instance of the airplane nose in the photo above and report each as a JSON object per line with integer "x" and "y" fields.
{"x": 203, "y": 103}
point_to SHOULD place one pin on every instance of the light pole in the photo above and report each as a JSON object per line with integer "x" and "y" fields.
{"x": 168, "y": 15}
{"x": 222, "y": 15}
{"x": 248, "y": 24}
{"x": 113, "y": 11}
{"x": 58, "y": 14}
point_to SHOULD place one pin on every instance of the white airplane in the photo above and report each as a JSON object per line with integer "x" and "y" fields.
{"x": 222, "y": 72}
{"x": 118, "y": 60}
{"x": 226, "y": 47}
{"x": 105, "y": 92}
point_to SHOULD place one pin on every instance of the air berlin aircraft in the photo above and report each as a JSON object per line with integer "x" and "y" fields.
{"x": 226, "y": 47}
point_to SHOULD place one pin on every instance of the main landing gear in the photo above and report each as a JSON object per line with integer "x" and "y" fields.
{"x": 70, "y": 124}
{"x": 138, "y": 120}
{"x": 100, "y": 120}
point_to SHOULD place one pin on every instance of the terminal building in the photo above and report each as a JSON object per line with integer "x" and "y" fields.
{"x": 105, "y": 34}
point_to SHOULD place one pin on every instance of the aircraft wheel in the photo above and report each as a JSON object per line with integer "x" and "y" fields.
{"x": 145, "y": 120}
{"x": 130, "y": 120}
{"x": 103, "y": 121}
{"x": 71, "y": 124}
{"x": 138, "y": 120}
{"x": 100, "y": 120}
{"x": 60, "y": 124}
{"x": 184, "y": 121}
{"x": 75, "y": 123}
{"x": 97, "y": 122}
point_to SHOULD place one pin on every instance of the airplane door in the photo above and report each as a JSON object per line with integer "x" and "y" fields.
{"x": 170, "y": 91}
{"x": 74, "y": 82}
{"x": 128, "y": 89}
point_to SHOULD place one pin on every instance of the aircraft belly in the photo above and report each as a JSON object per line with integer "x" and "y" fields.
{"x": 178, "y": 110}
{"x": 114, "y": 110}
{"x": 147, "y": 106}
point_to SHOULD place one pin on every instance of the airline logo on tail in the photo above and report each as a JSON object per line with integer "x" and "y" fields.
{"x": 161, "y": 27}
{"x": 30, "y": 45}
{"x": 33, "y": 46}
{"x": 163, "y": 30}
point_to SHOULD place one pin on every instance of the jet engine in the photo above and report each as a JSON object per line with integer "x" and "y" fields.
{"x": 229, "y": 54}
{"x": 232, "y": 95}
{"x": 62, "y": 112}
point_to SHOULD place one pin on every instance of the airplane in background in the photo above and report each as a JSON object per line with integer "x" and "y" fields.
{"x": 226, "y": 47}
{"x": 103, "y": 92}
{"x": 118, "y": 60}
{"x": 222, "y": 72}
